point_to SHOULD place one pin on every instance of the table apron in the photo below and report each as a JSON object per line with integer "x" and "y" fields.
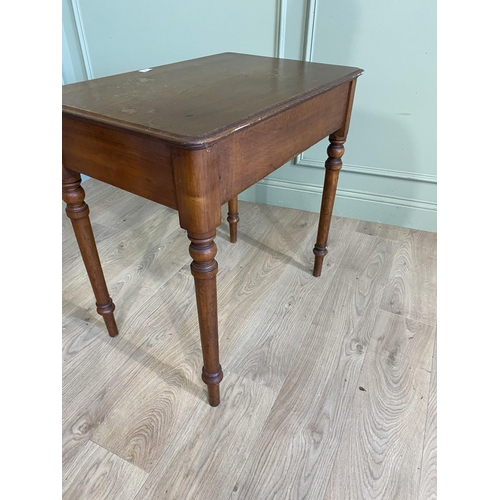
{"x": 250, "y": 154}
{"x": 136, "y": 163}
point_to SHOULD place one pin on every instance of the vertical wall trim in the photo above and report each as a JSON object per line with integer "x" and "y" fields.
{"x": 68, "y": 73}
{"x": 310, "y": 28}
{"x": 281, "y": 30}
{"x": 81, "y": 37}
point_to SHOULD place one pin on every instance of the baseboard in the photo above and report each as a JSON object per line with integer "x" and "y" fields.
{"x": 416, "y": 214}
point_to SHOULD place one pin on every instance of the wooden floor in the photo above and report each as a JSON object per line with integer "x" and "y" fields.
{"x": 329, "y": 387}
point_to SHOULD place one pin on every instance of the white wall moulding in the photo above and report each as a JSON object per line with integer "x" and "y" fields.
{"x": 81, "y": 36}
{"x": 281, "y": 29}
{"x": 310, "y": 29}
{"x": 303, "y": 161}
{"x": 72, "y": 58}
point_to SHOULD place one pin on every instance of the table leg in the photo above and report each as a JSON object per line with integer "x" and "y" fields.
{"x": 333, "y": 165}
{"x": 204, "y": 271}
{"x": 78, "y": 211}
{"x": 233, "y": 219}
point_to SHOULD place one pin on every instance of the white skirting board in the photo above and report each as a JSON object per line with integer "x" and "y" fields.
{"x": 361, "y": 205}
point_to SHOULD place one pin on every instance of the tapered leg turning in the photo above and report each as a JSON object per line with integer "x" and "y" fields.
{"x": 204, "y": 271}
{"x": 233, "y": 219}
{"x": 332, "y": 165}
{"x": 78, "y": 211}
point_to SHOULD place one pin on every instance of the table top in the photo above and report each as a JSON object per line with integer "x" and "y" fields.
{"x": 197, "y": 102}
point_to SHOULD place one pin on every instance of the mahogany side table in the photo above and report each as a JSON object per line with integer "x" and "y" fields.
{"x": 192, "y": 136}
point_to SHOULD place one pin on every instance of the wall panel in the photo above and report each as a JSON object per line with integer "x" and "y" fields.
{"x": 389, "y": 172}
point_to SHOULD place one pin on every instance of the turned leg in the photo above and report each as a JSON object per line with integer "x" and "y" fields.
{"x": 78, "y": 211}
{"x": 333, "y": 165}
{"x": 233, "y": 219}
{"x": 204, "y": 270}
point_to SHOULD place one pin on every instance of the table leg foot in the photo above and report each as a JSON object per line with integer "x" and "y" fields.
{"x": 233, "y": 219}
{"x": 78, "y": 211}
{"x": 204, "y": 270}
{"x": 106, "y": 311}
{"x": 212, "y": 380}
{"x": 332, "y": 165}
{"x": 319, "y": 255}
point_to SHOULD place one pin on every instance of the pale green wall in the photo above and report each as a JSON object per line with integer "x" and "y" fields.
{"x": 389, "y": 170}
{"x": 124, "y": 35}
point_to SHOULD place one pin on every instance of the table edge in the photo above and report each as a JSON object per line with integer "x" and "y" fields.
{"x": 210, "y": 138}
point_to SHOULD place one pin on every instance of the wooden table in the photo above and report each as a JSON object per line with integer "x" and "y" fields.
{"x": 192, "y": 136}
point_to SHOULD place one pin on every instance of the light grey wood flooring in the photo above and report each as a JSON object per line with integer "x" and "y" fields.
{"x": 329, "y": 387}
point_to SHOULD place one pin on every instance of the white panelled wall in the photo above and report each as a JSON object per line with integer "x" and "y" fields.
{"x": 389, "y": 172}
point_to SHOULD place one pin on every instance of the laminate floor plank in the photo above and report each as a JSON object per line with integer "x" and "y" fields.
{"x": 120, "y": 209}
{"x": 98, "y": 474}
{"x": 386, "y": 231}
{"x": 411, "y": 290}
{"x": 149, "y": 412}
{"x": 380, "y": 454}
{"x": 71, "y": 253}
{"x": 82, "y": 345}
{"x": 96, "y": 362}
{"x": 428, "y": 469}
{"x": 111, "y": 373}
{"x": 205, "y": 463}
{"x": 117, "y": 254}
{"x": 253, "y": 223}
{"x": 97, "y": 192}
{"x": 137, "y": 282}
